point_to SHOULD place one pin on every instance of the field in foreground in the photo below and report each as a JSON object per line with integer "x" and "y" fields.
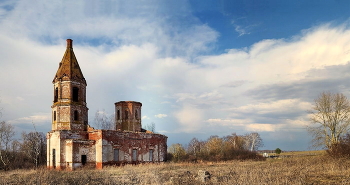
{"x": 298, "y": 170}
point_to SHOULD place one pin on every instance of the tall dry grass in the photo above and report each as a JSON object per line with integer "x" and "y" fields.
{"x": 300, "y": 170}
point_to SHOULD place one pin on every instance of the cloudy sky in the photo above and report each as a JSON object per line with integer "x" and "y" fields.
{"x": 199, "y": 67}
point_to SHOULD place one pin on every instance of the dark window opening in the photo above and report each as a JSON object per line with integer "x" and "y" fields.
{"x": 75, "y": 94}
{"x": 150, "y": 155}
{"x": 83, "y": 159}
{"x": 118, "y": 114}
{"x": 54, "y": 115}
{"x": 136, "y": 116}
{"x": 116, "y": 154}
{"x": 56, "y": 95}
{"x": 54, "y": 158}
{"x": 134, "y": 155}
{"x": 76, "y": 116}
{"x": 126, "y": 114}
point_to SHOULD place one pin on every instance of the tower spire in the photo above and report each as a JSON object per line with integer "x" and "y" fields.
{"x": 69, "y": 68}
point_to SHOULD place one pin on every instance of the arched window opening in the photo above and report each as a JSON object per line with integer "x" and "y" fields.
{"x": 118, "y": 114}
{"x": 116, "y": 154}
{"x": 126, "y": 114}
{"x": 134, "y": 155}
{"x": 151, "y": 155}
{"x": 76, "y": 115}
{"x": 75, "y": 94}
{"x": 56, "y": 95}
{"x": 54, "y": 115}
{"x": 136, "y": 116}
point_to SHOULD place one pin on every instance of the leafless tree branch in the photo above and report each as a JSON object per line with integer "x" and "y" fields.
{"x": 330, "y": 119}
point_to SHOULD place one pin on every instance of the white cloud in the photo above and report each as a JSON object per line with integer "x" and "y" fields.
{"x": 229, "y": 123}
{"x": 190, "y": 118}
{"x": 34, "y": 119}
{"x": 203, "y": 98}
{"x": 272, "y": 61}
{"x": 235, "y": 83}
{"x": 111, "y": 23}
{"x": 241, "y": 30}
{"x": 262, "y": 127}
{"x": 145, "y": 117}
{"x": 253, "y": 117}
{"x": 243, "y": 124}
{"x": 287, "y": 105}
{"x": 163, "y": 132}
{"x": 160, "y": 115}
{"x": 249, "y": 125}
{"x": 165, "y": 102}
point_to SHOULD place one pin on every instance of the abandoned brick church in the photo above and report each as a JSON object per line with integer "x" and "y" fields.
{"x": 72, "y": 143}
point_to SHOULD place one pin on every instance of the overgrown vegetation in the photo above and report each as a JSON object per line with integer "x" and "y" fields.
{"x": 341, "y": 149}
{"x": 295, "y": 170}
{"x": 30, "y": 152}
{"x": 215, "y": 148}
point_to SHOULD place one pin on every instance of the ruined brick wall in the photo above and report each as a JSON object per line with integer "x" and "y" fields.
{"x": 130, "y": 143}
{"x": 128, "y": 116}
{"x": 82, "y": 148}
{"x": 59, "y": 145}
{"x": 99, "y": 148}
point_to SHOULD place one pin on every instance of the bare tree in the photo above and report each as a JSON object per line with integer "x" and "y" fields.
{"x": 178, "y": 152}
{"x": 194, "y": 147}
{"x": 34, "y": 144}
{"x": 18, "y": 157}
{"x": 214, "y": 145}
{"x": 253, "y": 141}
{"x": 151, "y": 127}
{"x": 234, "y": 141}
{"x": 6, "y": 134}
{"x": 103, "y": 120}
{"x": 330, "y": 119}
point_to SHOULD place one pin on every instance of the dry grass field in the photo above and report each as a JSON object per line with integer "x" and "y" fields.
{"x": 318, "y": 169}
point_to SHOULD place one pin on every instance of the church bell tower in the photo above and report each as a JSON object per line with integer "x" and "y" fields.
{"x": 69, "y": 111}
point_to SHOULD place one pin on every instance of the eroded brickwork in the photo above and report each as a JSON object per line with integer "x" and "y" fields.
{"x": 72, "y": 143}
{"x": 127, "y": 142}
{"x": 128, "y": 116}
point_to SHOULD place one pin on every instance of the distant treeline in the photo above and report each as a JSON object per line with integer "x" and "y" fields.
{"x": 215, "y": 148}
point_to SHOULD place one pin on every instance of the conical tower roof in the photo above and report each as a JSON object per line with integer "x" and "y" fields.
{"x": 69, "y": 69}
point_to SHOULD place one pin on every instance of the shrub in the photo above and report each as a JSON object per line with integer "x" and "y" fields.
{"x": 278, "y": 151}
{"x": 341, "y": 149}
